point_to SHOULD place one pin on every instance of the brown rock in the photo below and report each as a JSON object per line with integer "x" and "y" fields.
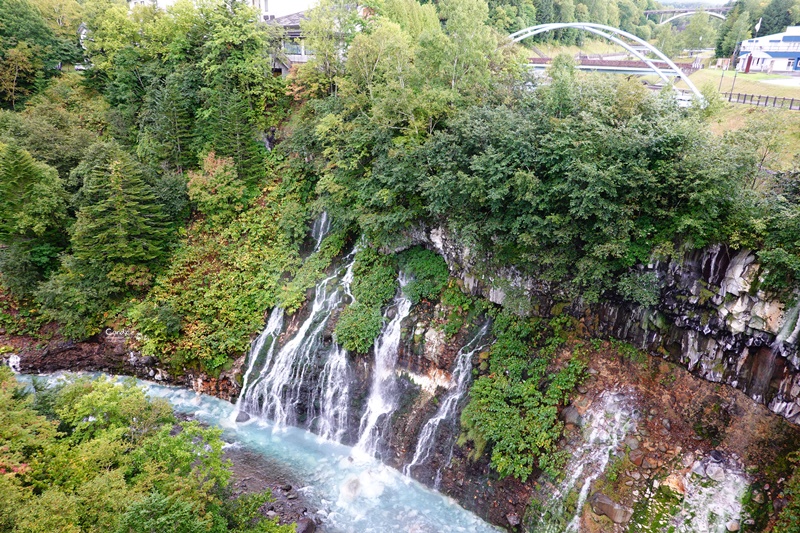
{"x": 306, "y": 525}
{"x": 636, "y": 457}
{"x": 675, "y": 483}
{"x": 604, "y": 506}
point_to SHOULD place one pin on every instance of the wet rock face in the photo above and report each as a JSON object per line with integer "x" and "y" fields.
{"x": 712, "y": 318}
{"x": 111, "y": 352}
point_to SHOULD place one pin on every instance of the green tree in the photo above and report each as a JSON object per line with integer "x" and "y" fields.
{"x": 32, "y": 218}
{"x": 17, "y": 73}
{"x": 329, "y": 29}
{"x": 736, "y": 29}
{"x": 666, "y": 39}
{"x": 121, "y": 232}
{"x": 217, "y": 191}
{"x": 776, "y": 17}
{"x": 699, "y": 33}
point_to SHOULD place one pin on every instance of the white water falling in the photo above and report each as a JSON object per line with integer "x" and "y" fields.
{"x": 790, "y": 329}
{"x": 461, "y": 377}
{"x": 320, "y": 228}
{"x": 382, "y": 396}
{"x": 708, "y": 506}
{"x": 270, "y": 333}
{"x": 608, "y": 420}
{"x": 288, "y": 375}
{"x": 13, "y": 362}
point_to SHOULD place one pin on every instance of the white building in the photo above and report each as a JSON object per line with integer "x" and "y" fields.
{"x": 778, "y": 53}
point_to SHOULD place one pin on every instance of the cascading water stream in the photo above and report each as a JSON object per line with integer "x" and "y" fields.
{"x": 270, "y": 333}
{"x": 461, "y": 377}
{"x": 608, "y": 421}
{"x": 320, "y": 228}
{"x": 288, "y": 380}
{"x": 383, "y": 390}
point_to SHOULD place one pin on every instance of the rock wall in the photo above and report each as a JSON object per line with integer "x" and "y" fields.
{"x": 111, "y": 352}
{"x": 712, "y": 317}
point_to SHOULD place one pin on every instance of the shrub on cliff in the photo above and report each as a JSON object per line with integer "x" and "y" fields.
{"x": 514, "y": 408}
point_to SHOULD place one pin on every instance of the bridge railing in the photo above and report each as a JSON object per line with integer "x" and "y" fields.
{"x": 763, "y": 100}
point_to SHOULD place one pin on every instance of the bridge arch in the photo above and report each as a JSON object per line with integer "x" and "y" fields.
{"x": 611, "y": 33}
{"x": 690, "y": 13}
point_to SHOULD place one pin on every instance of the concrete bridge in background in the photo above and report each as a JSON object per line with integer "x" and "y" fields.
{"x": 672, "y": 14}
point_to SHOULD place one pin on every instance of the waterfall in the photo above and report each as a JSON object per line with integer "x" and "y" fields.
{"x": 270, "y": 333}
{"x": 320, "y": 228}
{"x": 461, "y": 377}
{"x": 13, "y": 362}
{"x": 383, "y": 390}
{"x": 708, "y": 505}
{"x": 288, "y": 389}
{"x": 609, "y": 420}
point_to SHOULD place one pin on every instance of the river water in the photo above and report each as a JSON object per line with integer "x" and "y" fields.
{"x": 354, "y": 493}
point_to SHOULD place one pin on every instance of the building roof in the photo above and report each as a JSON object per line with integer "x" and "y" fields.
{"x": 290, "y": 21}
{"x": 760, "y": 54}
{"x": 792, "y": 34}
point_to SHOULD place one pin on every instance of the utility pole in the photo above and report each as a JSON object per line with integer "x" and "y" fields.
{"x": 735, "y": 70}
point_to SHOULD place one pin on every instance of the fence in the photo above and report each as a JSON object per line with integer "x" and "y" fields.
{"x": 763, "y": 101}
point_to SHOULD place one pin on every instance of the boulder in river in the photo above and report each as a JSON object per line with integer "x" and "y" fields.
{"x": 305, "y": 525}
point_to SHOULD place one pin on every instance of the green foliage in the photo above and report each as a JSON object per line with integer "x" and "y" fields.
{"x": 374, "y": 284}
{"x": 374, "y": 278}
{"x": 158, "y": 512}
{"x": 428, "y": 271}
{"x": 221, "y": 279}
{"x": 515, "y": 406}
{"x": 776, "y": 17}
{"x": 29, "y": 51}
{"x": 358, "y": 326}
{"x": 789, "y": 517}
{"x": 460, "y": 307}
{"x": 639, "y": 287}
{"x": 217, "y": 191}
{"x": 32, "y": 219}
{"x": 120, "y": 463}
{"x": 118, "y": 238}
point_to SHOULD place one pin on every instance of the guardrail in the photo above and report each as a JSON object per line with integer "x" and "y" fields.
{"x": 763, "y": 101}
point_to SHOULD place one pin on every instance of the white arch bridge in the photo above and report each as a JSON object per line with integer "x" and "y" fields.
{"x": 614, "y": 35}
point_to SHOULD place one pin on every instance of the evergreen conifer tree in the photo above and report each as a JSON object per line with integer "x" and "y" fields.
{"x": 777, "y": 16}
{"x": 32, "y": 218}
{"x": 122, "y": 232}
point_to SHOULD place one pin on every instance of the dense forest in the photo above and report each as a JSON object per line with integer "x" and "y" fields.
{"x": 170, "y": 186}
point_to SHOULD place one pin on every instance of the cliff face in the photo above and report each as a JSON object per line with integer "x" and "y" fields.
{"x": 111, "y": 352}
{"x": 711, "y": 317}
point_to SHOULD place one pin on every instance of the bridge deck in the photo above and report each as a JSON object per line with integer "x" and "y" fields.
{"x": 724, "y": 9}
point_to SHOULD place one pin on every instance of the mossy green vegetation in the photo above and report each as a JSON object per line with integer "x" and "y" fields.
{"x": 374, "y": 284}
{"x": 654, "y": 514}
{"x": 428, "y": 271}
{"x": 514, "y": 407}
{"x": 97, "y": 456}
